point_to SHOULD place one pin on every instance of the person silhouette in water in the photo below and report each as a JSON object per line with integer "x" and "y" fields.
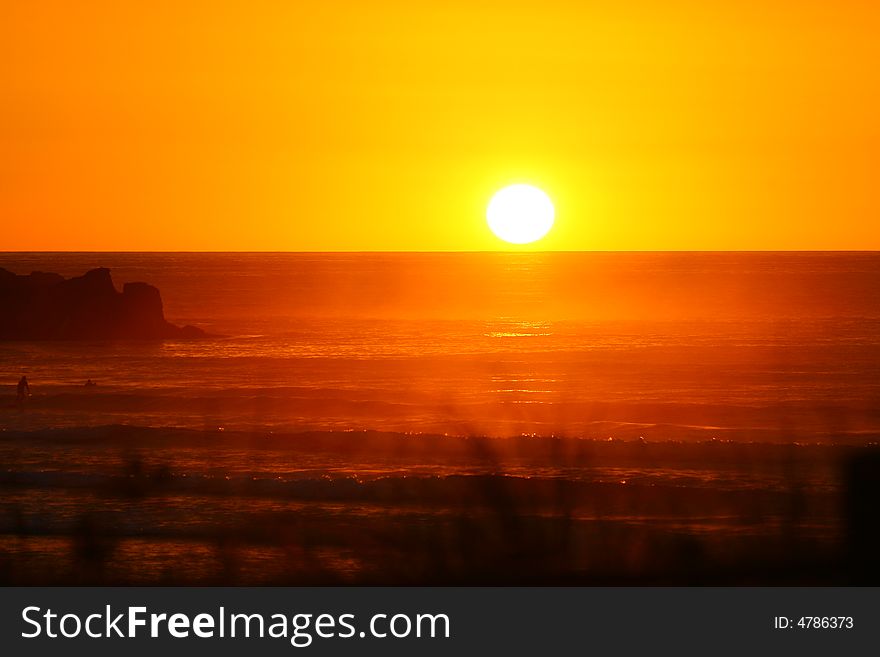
{"x": 23, "y": 390}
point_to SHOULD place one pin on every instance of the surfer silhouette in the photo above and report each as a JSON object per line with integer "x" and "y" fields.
{"x": 23, "y": 391}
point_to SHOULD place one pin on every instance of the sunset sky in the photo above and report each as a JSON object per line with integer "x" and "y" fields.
{"x": 388, "y": 125}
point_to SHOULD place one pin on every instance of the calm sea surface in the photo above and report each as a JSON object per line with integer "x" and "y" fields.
{"x": 668, "y": 346}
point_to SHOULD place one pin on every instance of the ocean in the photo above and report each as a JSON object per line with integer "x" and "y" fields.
{"x": 347, "y": 409}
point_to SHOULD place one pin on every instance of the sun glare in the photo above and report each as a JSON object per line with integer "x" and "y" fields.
{"x": 520, "y": 214}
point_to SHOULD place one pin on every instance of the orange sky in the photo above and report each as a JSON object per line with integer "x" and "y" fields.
{"x": 387, "y": 125}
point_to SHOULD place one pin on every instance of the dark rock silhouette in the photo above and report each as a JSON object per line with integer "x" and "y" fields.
{"x": 43, "y": 306}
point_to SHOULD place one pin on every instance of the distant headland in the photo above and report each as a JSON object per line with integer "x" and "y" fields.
{"x": 45, "y": 306}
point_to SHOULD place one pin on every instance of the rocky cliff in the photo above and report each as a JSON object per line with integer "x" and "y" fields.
{"x": 43, "y": 306}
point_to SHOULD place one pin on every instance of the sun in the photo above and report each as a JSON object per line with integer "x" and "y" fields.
{"x": 520, "y": 214}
